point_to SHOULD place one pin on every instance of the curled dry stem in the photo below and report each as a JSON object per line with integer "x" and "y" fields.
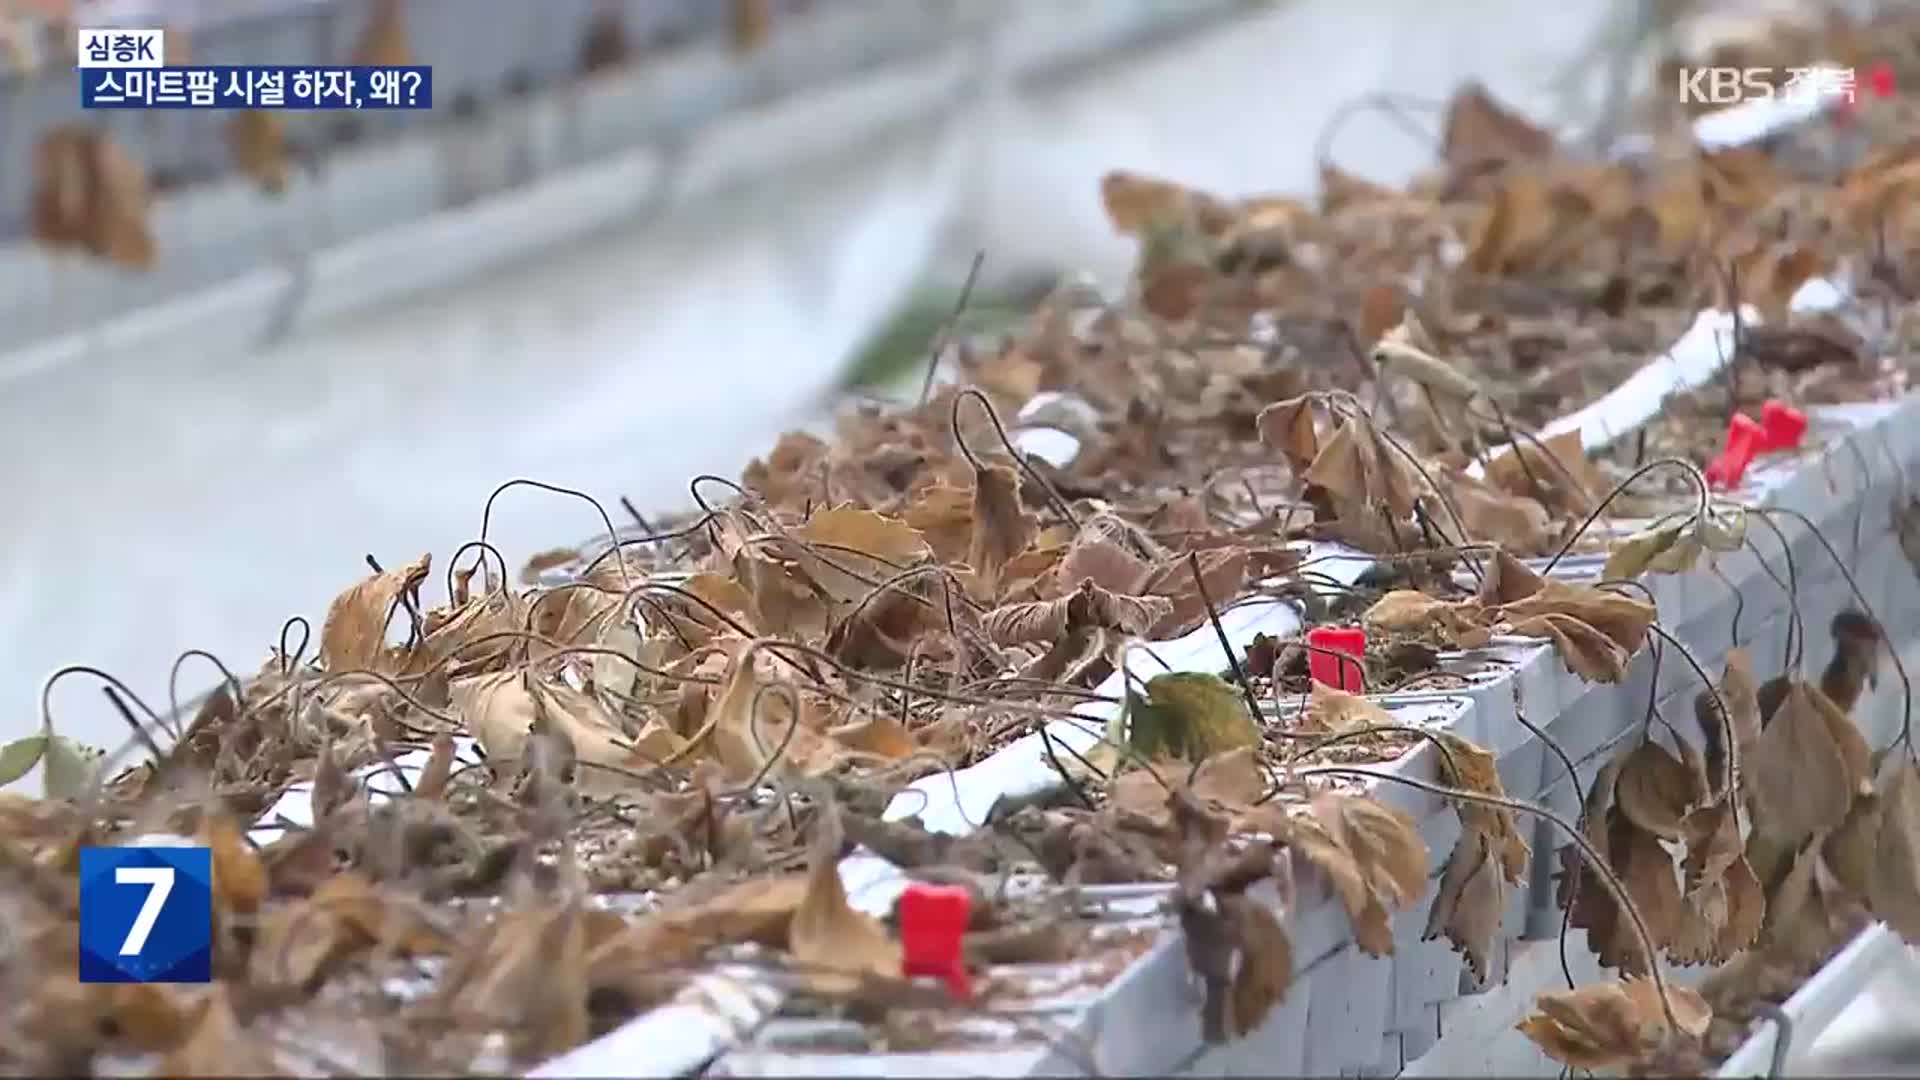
{"x": 1866, "y": 607}
{"x": 1463, "y": 539}
{"x": 613, "y": 535}
{"x": 290, "y": 658}
{"x": 1390, "y": 105}
{"x": 484, "y": 549}
{"x": 1719, "y": 706}
{"x": 173, "y": 685}
{"x": 652, "y": 538}
{"x": 1054, "y": 498}
{"x": 1220, "y": 635}
{"x": 1693, "y": 474}
{"x": 945, "y": 337}
{"x": 1796, "y": 624}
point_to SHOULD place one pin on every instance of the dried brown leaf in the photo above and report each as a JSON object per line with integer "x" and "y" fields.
{"x": 343, "y": 915}
{"x": 1088, "y": 606}
{"x": 1608, "y": 1025}
{"x": 1796, "y": 778}
{"x": 943, "y": 514}
{"x": 785, "y": 601}
{"x": 1518, "y": 222}
{"x": 1332, "y": 712}
{"x": 239, "y": 878}
{"x": 528, "y": 976}
{"x": 1372, "y": 855}
{"x": 1741, "y": 696}
{"x": 1229, "y": 783}
{"x": 498, "y": 710}
{"x": 1480, "y": 130}
{"x": 880, "y": 735}
{"x": 1656, "y": 790}
{"x": 1516, "y": 522}
{"x": 1102, "y": 560}
{"x": 354, "y": 636}
{"x": 438, "y": 770}
{"x": 1555, "y": 471}
{"x": 1288, "y": 427}
{"x": 1645, "y": 870}
{"x": 1470, "y": 902}
{"x": 1854, "y": 752}
{"x": 63, "y": 180}
{"x": 839, "y": 945}
{"x": 1002, "y": 528}
{"x": 150, "y": 1016}
{"x": 119, "y": 229}
{"x": 1508, "y": 581}
{"x": 882, "y": 632}
{"x": 216, "y": 1044}
{"x": 748, "y": 728}
{"x": 1223, "y": 570}
{"x": 1138, "y": 204}
{"x": 1381, "y": 309}
{"x": 757, "y": 910}
{"x": 1341, "y": 190}
{"x": 597, "y": 739}
{"x": 1895, "y": 885}
{"x": 1622, "y": 619}
{"x": 853, "y": 550}
{"x": 1357, "y": 464}
{"x": 1712, "y": 835}
{"x": 1586, "y": 651}
{"x": 1265, "y": 969}
{"x": 1801, "y": 909}
{"x": 1409, "y": 614}
{"x": 1746, "y": 910}
{"x": 1471, "y": 767}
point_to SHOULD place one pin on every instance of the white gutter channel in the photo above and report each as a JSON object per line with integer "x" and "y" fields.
{"x": 1816, "y": 1005}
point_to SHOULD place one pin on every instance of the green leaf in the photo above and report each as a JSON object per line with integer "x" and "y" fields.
{"x": 1191, "y": 715}
{"x": 70, "y": 766}
{"x": 18, "y": 757}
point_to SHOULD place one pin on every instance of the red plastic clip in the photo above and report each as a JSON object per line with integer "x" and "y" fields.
{"x": 1337, "y": 671}
{"x": 933, "y": 920}
{"x": 1743, "y": 441}
{"x": 1782, "y": 426}
{"x": 1880, "y": 80}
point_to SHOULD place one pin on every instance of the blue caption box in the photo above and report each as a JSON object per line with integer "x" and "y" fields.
{"x": 146, "y": 914}
{"x": 235, "y": 87}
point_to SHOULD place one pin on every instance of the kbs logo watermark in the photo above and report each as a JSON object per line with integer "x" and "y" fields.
{"x": 1733, "y": 86}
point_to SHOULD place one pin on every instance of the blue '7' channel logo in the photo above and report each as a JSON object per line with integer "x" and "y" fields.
{"x": 146, "y": 914}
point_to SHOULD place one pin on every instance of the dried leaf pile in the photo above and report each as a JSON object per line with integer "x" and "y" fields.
{"x": 648, "y": 755}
